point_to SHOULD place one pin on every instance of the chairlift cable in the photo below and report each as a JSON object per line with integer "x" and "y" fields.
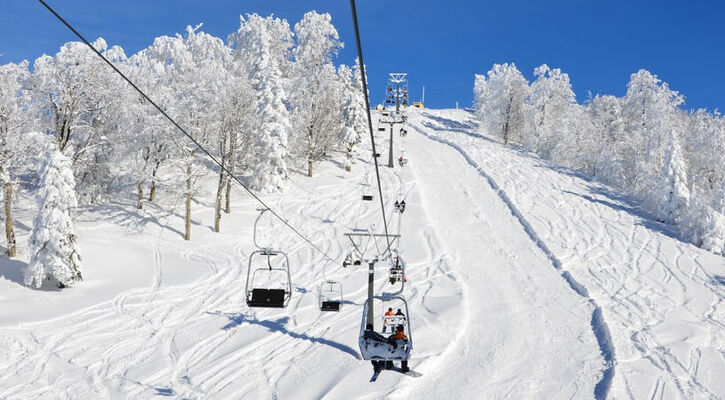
{"x": 204, "y": 150}
{"x": 353, "y": 9}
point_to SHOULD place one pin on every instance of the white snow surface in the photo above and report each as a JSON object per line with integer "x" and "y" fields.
{"x": 489, "y": 234}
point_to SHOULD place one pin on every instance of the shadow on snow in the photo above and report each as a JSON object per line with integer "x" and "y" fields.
{"x": 279, "y": 325}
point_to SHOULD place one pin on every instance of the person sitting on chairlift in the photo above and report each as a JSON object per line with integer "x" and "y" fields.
{"x": 400, "y": 313}
{"x": 371, "y": 334}
{"x": 393, "y": 339}
{"x": 401, "y": 206}
{"x": 388, "y": 313}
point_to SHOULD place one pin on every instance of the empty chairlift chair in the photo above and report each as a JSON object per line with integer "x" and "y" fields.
{"x": 276, "y": 290}
{"x": 269, "y": 283}
{"x": 330, "y": 296}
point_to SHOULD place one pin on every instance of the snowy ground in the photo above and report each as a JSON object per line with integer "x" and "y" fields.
{"x": 490, "y": 235}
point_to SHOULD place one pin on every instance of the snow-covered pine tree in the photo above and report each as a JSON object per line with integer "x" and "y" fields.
{"x": 54, "y": 252}
{"x": 500, "y": 102}
{"x": 674, "y": 196}
{"x": 353, "y": 113}
{"x": 254, "y": 43}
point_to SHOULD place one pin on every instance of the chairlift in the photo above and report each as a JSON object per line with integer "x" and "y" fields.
{"x": 268, "y": 295}
{"x": 400, "y": 206}
{"x": 402, "y": 160}
{"x": 367, "y": 197}
{"x": 403, "y": 132}
{"x": 265, "y": 263}
{"x": 375, "y": 346}
{"x": 330, "y": 296}
{"x": 381, "y": 129}
{"x": 396, "y": 273}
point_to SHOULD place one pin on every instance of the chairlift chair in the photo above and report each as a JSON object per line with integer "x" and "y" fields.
{"x": 372, "y": 347}
{"x": 402, "y": 160}
{"x": 330, "y": 296}
{"x": 396, "y": 273}
{"x": 400, "y": 206}
{"x": 267, "y": 296}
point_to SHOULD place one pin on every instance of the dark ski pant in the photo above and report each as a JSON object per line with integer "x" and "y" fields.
{"x": 380, "y": 365}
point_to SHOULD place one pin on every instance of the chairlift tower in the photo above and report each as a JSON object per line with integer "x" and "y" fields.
{"x": 360, "y": 258}
{"x": 396, "y": 95}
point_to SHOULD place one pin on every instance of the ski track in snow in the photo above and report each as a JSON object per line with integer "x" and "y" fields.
{"x": 662, "y": 303}
{"x": 491, "y": 319}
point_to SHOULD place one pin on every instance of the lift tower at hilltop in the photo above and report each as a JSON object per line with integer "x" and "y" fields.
{"x": 396, "y": 95}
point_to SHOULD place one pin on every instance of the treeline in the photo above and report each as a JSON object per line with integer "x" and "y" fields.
{"x": 265, "y": 100}
{"x": 644, "y": 143}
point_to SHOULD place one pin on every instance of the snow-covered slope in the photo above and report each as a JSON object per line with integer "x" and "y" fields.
{"x": 508, "y": 260}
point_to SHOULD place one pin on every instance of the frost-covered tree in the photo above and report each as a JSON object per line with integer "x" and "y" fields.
{"x": 353, "y": 112}
{"x": 673, "y": 195}
{"x": 607, "y": 138}
{"x": 552, "y": 101}
{"x": 54, "y": 253}
{"x": 254, "y": 42}
{"x": 12, "y": 144}
{"x": 144, "y": 138}
{"x": 650, "y": 111}
{"x": 500, "y": 102}
{"x": 193, "y": 74}
{"x": 235, "y": 139}
{"x": 317, "y": 92}
{"x": 75, "y": 98}
{"x": 704, "y": 147}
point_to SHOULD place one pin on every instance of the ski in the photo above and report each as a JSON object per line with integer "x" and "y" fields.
{"x": 411, "y": 373}
{"x": 375, "y": 376}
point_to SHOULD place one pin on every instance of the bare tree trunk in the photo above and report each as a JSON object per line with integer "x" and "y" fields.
{"x": 232, "y": 163}
{"x": 220, "y": 187}
{"x": 152, "y": 193}
{"x": 187, "y": 235}
{"x": 219, "y": 195}
{"x": 228, "y": 205}
{"x": 139, "y": 204}
{"x": 310, "y": 138}
{"x": 9, "y": 231}
{"x": 348, "y": 167}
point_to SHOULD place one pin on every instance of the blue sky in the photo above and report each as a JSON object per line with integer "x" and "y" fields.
{"x": 441, "y": 44}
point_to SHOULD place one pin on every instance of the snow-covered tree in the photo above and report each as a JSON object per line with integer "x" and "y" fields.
{"x": 552, "y": 101}
{"x": 193, "y": 74}
{"x": 75, "y": 97}
{"x": 317, "y": 93}
{"x": 673, "y": 195}
{"x": 353, "y": 112}
{"x": 254, "y": 42}
{"x": 500, "y": 102}
{"x": 12, "y": 122}
{"x": 606, "y": 138}
{"x": 235, "y": 138}
{"x": 54, "y": 253}
{"x": 650, "y": 111}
